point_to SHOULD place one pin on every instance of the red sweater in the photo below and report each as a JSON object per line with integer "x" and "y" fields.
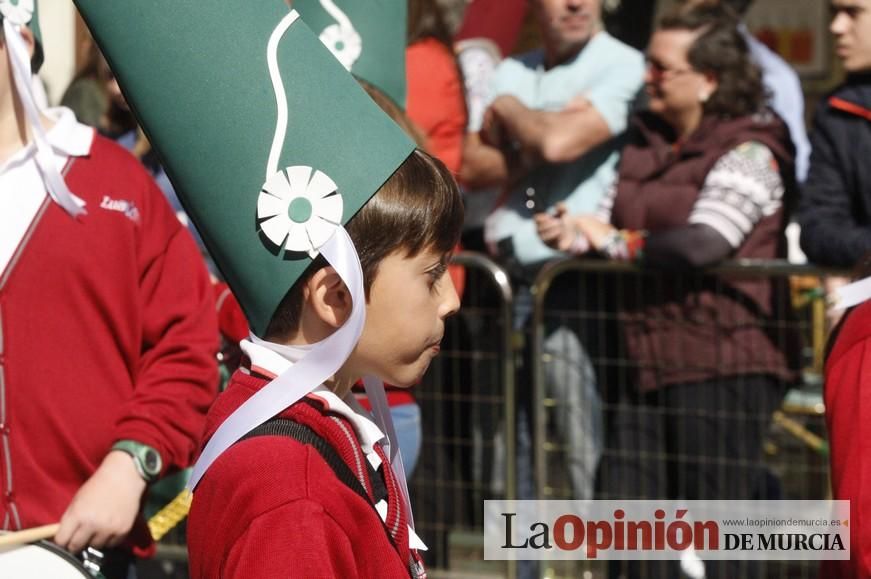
{"x": 848, "y": 416}
{"x": 271, "y": 506}
{"x": 108, "y": 333}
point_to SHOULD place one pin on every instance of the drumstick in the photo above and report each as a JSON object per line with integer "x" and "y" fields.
{"x": 29, "y": 535}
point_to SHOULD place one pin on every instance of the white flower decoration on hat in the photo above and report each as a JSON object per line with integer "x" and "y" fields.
{"x": 299, "y": 209}
{"x": 17, "y": 11}
{"x": 344, "y": 42}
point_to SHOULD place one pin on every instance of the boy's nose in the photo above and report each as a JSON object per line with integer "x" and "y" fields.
{"x": 451, "y": 303}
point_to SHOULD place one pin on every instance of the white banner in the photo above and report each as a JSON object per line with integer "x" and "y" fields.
{"x": 714, "y": 530}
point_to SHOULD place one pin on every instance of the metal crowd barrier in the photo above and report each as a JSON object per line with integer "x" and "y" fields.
{"x": 467, "y": 401}
{"x": 794, "y": 460}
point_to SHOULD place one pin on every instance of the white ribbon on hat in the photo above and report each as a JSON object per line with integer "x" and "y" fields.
{"x": 323, "y": 359}
{"x": 19, "y": 59}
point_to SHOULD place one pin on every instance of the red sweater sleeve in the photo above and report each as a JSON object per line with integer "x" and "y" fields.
{"x": 295, "y": 540}
{"x": 176, "y": 377}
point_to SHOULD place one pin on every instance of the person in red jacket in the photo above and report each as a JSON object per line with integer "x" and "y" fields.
{"x": 848, "y": 419}
{"x": 338, "y": 255}
{"x": 107, "y": 357}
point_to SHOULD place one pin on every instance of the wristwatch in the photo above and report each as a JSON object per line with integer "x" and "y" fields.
{"x": 147, "y": 460}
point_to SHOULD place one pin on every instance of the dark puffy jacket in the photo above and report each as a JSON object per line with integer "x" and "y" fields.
{"x": 691, "y": 328}
{"x": 835, "y": 206}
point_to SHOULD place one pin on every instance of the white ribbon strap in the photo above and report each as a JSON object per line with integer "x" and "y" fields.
{"x": 851, "y": 295}
{"x": 321, "y": 362}
{"x": 384, "y": 420}
{"x": 57, "y": 188}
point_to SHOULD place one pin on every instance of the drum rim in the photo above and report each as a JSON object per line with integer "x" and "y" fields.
{"x": 64, "y": 554}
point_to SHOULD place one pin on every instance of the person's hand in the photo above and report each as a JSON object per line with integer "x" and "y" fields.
{"x": 557, "y": 230}
{"x": 597, "y": 232}
{"x": 104, "y": 509}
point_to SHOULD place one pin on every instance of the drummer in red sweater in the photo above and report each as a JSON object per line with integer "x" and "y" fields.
{"x": 334, "y": 233}
{"x": 107, "y": 327}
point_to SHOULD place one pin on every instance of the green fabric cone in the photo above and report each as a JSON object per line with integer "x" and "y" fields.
{"x": 196, "y": 75}
{"x": 374, "y": 47}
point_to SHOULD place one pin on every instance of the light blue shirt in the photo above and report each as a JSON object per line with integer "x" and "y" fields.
{"x": 786, "y": 98}
{"x": 609, "y": 75}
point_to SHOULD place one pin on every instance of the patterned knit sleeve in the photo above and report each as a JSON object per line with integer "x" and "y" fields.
{"x": 743, "y": 187}
{"x": 606, "y": 204}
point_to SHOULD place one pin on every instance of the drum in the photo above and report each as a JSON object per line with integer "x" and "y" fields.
{"x": 39, "y": 561}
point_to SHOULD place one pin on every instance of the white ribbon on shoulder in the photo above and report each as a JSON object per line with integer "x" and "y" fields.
{"x": 321, "y": 362}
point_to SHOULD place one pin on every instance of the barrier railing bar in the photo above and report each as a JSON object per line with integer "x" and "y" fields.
{"x": 503, "y": 283}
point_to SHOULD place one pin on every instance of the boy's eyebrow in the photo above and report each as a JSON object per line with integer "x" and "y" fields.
{"x": 837, "y": 5}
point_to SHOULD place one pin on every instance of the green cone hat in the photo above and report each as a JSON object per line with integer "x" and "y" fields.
{"x": 265, "y": 136}
{"x": 367, "y": 36}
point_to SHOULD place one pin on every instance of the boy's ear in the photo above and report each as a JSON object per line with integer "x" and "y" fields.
{"x": 328, "y": 297}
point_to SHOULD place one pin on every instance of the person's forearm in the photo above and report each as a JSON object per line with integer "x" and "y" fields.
{"x": 552, "y": 136}
{"x": 527, "y": 127}
{"x": 690, "y": 247}
{"x": 482, "y": 166}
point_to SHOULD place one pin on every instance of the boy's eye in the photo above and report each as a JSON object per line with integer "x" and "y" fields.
{"x": 436, "y": 273}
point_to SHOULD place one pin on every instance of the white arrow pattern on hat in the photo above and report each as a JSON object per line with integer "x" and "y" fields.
{"x": 342, "y": 38}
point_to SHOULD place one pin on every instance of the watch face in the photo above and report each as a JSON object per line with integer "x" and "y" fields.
{"x": 152, "y": 461}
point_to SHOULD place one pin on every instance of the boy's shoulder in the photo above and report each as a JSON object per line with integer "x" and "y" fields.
{"x": 262, "y": 484}
{"x": 273, "y": 470}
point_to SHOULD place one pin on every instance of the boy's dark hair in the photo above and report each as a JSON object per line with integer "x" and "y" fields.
{"x": 394, "y": 112}
{"x": 720, "y": 50}
{"x": 417, "y": 208}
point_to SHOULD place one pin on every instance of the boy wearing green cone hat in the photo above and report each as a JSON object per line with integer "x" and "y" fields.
{"x": 274, "y": 506}
{"x": 337, "y": 252}
{"x": 107, "y": 322}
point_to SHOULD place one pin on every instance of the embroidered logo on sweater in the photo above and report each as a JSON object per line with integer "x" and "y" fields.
{"x": 128, "y": 208}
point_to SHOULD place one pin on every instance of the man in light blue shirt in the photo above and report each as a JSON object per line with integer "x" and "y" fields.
{"x": 552, "y": 128}
{"x": 552, "y": 124}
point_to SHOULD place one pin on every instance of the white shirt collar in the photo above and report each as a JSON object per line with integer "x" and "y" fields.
{"x": 273, "y": 359}
{"x": 67, "y": 137}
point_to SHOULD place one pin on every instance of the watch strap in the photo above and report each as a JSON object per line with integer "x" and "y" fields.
{"x": 146, "y": 458}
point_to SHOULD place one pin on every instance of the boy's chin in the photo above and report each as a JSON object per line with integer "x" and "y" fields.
{"x": 407, "y": 377}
